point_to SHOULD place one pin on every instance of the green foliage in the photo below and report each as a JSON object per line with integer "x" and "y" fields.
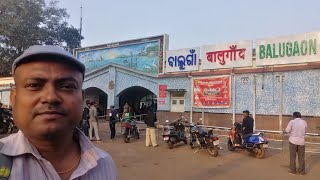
{"x": 24, "y": 23}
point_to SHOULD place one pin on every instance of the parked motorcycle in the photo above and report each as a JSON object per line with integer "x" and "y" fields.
{"x": 130, "y": 130}
{"x": 173, "y": 133}
{"x": 8, "y": 125}
{"x": 255, "y": 143}
{"x": 203, "y": 139}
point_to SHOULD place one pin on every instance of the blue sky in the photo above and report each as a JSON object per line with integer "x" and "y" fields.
{"x": 192, "y": 23}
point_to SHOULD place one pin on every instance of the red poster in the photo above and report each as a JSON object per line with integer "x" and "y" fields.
{"x": 161, "y": 102}
{"x": 162, "y": 91}
{"x": 211, "y": 92}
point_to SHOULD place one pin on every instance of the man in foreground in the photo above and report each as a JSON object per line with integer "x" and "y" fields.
{"x": 297, "y": 130}
{"x": 47, "y": 106}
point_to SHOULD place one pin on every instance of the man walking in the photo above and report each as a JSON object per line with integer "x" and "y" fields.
{"x": 151, "y": 128}
{"x": 297, "y": 130}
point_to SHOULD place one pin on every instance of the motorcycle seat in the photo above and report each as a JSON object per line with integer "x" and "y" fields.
{"x": 256, "y": 134}
{"x": 247, "y": 136}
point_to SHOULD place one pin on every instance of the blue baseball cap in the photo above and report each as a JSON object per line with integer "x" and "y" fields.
{"x": 48, "y": 51}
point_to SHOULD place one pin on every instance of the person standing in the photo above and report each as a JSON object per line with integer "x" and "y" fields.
{"x": 93, "y": 120}
{"x": 1, "y": 113}
{"x": 85, "y": 118}
{"x": 297, "y": 130}
{"x": 112, "y": 121}
{"x": 151, "y": 128}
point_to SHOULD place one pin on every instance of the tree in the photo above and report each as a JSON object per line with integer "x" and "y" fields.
{"x": 24, "y": 23}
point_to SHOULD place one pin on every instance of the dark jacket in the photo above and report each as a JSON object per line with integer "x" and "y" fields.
{"x": 85, "y": 114}
{"x": 113, "y": 117}
{"x": 247, "y": 123}
{"x": 150, "y": 118}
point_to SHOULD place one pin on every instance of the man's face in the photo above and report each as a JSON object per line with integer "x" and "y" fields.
{"x": 47, "y": 100}
{"x": 245, "y": 114}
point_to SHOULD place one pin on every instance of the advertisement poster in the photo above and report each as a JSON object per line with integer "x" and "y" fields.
{"x": 161, "y": 102}
{"x": 144, "y": 55}
{"x": 162, "y": 91}
{"x": 213, "y": 92}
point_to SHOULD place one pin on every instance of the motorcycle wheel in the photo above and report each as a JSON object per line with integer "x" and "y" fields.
{"x": 170, "y": 144}
{"x": 260, "y": 152}
{"x": 191, "y": 145}
{"x": 230, "y": 146}
{"x": 213, "y": 151}
{"x": 126, "y": 139}
{"x": 185, "y": 142}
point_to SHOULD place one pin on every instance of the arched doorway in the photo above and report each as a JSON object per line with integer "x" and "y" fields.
{"x": 96, "y": 94}
{"x": 136, "y": 97}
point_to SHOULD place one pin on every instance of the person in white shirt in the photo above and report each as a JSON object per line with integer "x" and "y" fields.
{"x": 93, "y": 121}
{"x": 297, "y": 131}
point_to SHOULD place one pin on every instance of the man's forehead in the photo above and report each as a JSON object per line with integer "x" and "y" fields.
{"x": 43, "y": 70}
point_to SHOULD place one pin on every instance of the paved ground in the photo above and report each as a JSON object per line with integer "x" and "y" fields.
{"x": 135, "y": 161}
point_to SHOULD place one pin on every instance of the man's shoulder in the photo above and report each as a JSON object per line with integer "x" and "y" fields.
{"x": 106, "y": 163}
{"x": 104, "y": 155}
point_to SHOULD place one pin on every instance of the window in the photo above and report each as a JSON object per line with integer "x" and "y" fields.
{"x": 181, "y": 102}
{"x": 174, "y": 102}
{"x": 177, "y": 94}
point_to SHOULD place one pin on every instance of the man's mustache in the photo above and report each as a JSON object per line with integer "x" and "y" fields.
{"x": 50, "y": 110}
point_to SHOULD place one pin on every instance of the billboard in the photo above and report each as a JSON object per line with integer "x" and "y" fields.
{"x": 213, "y": 92}
{"x": 145, "y": 55}
{"x": 230, "y": 55}
{"x": 298, "y": 48}
{"x": 182, "y": 60}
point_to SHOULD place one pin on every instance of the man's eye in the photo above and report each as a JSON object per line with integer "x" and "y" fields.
{"x": 33, "y": 85}
{"x": 68, "y": 86}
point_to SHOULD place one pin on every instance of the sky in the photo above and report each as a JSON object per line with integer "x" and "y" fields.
{"x": 191, "y": 23}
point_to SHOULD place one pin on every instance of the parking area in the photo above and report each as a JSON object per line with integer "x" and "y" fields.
{"x": 135, "y": 161}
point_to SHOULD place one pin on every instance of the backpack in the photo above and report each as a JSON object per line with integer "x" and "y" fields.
{"x": 5, "y": 165}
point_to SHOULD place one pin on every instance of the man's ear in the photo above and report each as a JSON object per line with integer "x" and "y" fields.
{"x": 13, "y": 93}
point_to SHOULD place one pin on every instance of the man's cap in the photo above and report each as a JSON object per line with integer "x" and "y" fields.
{"x": 112, "y": 106}
{"x": 246, "y": 111}
{"x": 45, "y": 52}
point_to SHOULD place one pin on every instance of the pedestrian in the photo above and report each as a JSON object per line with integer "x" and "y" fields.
{"x": 85, "y": 118}
{"x": 1, "y": 113}
{"x": 125, "y": 109}
{"x": 112, "y": 121}
{"x": 297, "y": 131}
{"x": 151, "y": 128}
{"x": 47, "y": 104}
{"x": 93, "y": 121}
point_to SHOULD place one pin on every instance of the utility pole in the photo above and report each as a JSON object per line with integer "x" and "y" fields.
{"x": 80, "y": 23}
